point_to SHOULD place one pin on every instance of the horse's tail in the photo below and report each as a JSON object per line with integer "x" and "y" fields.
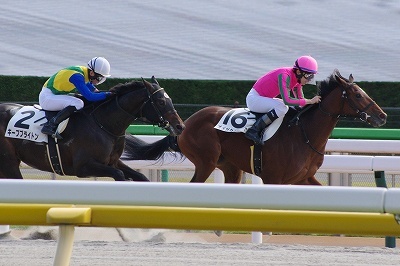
{"x": 137, "y": 149}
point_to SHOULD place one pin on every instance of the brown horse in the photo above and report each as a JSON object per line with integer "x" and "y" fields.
{"x": 292, "y": 156}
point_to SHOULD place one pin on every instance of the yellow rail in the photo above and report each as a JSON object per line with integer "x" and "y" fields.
{"x": 69, "y": 216}
{"x": 362, "y": 223}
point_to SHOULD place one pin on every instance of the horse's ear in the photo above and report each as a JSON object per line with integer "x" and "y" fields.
{"x": 153, "y": 80}
{"x": 339, "y": 77}
{"x": 147, "y": 85}
{"x": 351, "y": 78}
{"x": 337, "y": 73}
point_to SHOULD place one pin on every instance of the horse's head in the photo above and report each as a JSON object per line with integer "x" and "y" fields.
{"x": 355, "y": 102}
{"x": 160, "y": 110}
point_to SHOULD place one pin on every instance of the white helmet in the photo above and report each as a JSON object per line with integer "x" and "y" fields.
{"x": 100, "y": 65}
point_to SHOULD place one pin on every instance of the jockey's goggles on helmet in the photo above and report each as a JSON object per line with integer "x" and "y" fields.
{"x": 308, "y": 76}
{"x": 100, "y": 79}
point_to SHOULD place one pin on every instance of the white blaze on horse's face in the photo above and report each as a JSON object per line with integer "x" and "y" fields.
{"x": 166, "y": 95}
{"x": 362, "y": 90}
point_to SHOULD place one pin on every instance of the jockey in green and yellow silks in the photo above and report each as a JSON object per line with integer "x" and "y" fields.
{"x": 54, "y": 95}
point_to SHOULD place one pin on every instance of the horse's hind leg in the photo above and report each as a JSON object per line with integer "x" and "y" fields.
{"x": 9, "y": 168}
{"x": 231, "y": 172}
{"x": 309, "y": 181}
{"x": 202, "y": 148}
{"x": 204, "y": 160}
{"x": 201, "y": 173}
{"x": 92, "y": 168}
{"x": 131, "y": 174}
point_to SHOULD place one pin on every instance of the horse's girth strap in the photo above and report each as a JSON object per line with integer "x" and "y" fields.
{"x": 255, "y": 159}
{"x": 53, "y": 154}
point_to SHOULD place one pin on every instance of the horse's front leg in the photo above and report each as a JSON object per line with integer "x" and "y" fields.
{"x": 131, "y": 174}
{"x": 309, "y": 181}
{"x": 93, "y": 168}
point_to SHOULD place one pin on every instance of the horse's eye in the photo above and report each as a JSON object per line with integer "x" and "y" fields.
{"x": 358, "y": 96}
{"x": 161, "y": 102}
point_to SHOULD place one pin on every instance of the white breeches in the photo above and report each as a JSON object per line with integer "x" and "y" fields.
{"x": 261, "y": 104}
{"x": 52, "y": 102}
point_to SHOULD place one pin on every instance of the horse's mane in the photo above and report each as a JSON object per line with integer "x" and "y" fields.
{"x": 119, "y": 89}
{"x": 326, "y": 86}
{"x": 123, "y": 88}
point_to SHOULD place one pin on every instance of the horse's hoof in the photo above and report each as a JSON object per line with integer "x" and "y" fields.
{"x": 218, "y": 232}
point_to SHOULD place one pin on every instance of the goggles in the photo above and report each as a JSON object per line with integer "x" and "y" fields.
{"x": 308, "y": 76}
{"x": 100, "y": 79}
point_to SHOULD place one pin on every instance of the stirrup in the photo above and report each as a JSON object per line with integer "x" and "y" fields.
{"x": 255, "y": 139}
{"x": 56, "y": 135}
{"x": 48, "y": 131}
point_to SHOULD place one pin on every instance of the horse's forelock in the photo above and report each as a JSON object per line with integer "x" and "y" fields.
{"x": 123, "y": 88}
{"x": 329, "y": 84}
{"x": 340, "y": 76}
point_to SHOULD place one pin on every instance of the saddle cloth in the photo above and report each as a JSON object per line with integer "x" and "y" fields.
{"x": 27, "y": 124}
{"x": 241, "y": 119}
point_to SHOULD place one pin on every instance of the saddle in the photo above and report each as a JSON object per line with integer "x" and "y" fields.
{"x": 241, "y": 119}
{"x": 27, "y": 122}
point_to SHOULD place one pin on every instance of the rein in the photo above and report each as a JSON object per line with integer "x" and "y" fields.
{"x": 296, "y": 120}
{"x": 303, "y": 130}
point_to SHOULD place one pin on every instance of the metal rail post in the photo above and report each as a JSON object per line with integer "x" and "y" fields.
{"x": 390, "y": 241}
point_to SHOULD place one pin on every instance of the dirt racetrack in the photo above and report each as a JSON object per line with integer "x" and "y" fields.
{"x": 101, "y": 246}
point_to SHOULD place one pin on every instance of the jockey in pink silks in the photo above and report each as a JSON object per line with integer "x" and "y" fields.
{"x": 286, "y": 82}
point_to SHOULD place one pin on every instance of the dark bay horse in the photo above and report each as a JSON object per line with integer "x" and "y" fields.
{"x": 292, "y": 156}
{"x": 93, "y": 140}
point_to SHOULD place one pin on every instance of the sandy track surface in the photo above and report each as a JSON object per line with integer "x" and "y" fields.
{"x": 100, "y": 246}
{"x": 41, "y": 252}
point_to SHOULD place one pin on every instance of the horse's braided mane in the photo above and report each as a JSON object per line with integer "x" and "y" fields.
{"x": 123, "y": 88}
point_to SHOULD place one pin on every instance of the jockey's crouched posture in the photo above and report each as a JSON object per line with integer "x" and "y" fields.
{"x": 54, "y": 94}
{"x": 281, "y": 81}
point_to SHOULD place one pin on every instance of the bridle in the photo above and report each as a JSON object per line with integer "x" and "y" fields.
{"x": 360, "y": 114}
{"x": 162, "y": 122}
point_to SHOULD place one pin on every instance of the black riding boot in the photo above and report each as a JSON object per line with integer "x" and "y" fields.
{"x": 254, "y": 133}
{"x": 50, "y": 127}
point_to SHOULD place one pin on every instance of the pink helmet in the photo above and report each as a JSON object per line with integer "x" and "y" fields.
{"x": 306, "y": 64}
